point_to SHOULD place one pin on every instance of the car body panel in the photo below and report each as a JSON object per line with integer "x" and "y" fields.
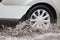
{"x": 57, "y": 4}
{"x": 32, "y": 2}
{"x": 15, "y": 12}
{"x": 27, "y": 2}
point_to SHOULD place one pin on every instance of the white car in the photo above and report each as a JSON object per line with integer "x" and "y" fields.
{"x": 41, "y": 13}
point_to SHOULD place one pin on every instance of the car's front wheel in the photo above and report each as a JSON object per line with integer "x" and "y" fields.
{"x": 40, "y": 17}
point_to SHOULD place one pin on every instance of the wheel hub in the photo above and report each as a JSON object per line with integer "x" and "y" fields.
{"x": 40, "y": 19}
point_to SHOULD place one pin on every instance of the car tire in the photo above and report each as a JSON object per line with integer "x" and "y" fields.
{"x": 32, "y": 13}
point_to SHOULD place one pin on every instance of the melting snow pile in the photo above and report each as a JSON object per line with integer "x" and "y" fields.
{"x": 24, "y": 31}
{"x": 48, "y": 36}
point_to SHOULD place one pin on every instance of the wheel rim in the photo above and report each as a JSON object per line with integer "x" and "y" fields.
{"x": 40, "y": 19}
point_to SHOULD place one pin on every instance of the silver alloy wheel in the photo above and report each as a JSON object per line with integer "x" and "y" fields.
{"x": 40, "y": 19}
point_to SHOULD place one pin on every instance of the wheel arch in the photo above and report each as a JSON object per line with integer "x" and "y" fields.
{"x": 46, "y": 4}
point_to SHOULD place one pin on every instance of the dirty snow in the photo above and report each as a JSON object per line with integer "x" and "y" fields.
{"x": 24, "y": 31}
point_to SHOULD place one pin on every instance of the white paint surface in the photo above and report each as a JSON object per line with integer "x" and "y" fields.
{"x": 13, "y": 11}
